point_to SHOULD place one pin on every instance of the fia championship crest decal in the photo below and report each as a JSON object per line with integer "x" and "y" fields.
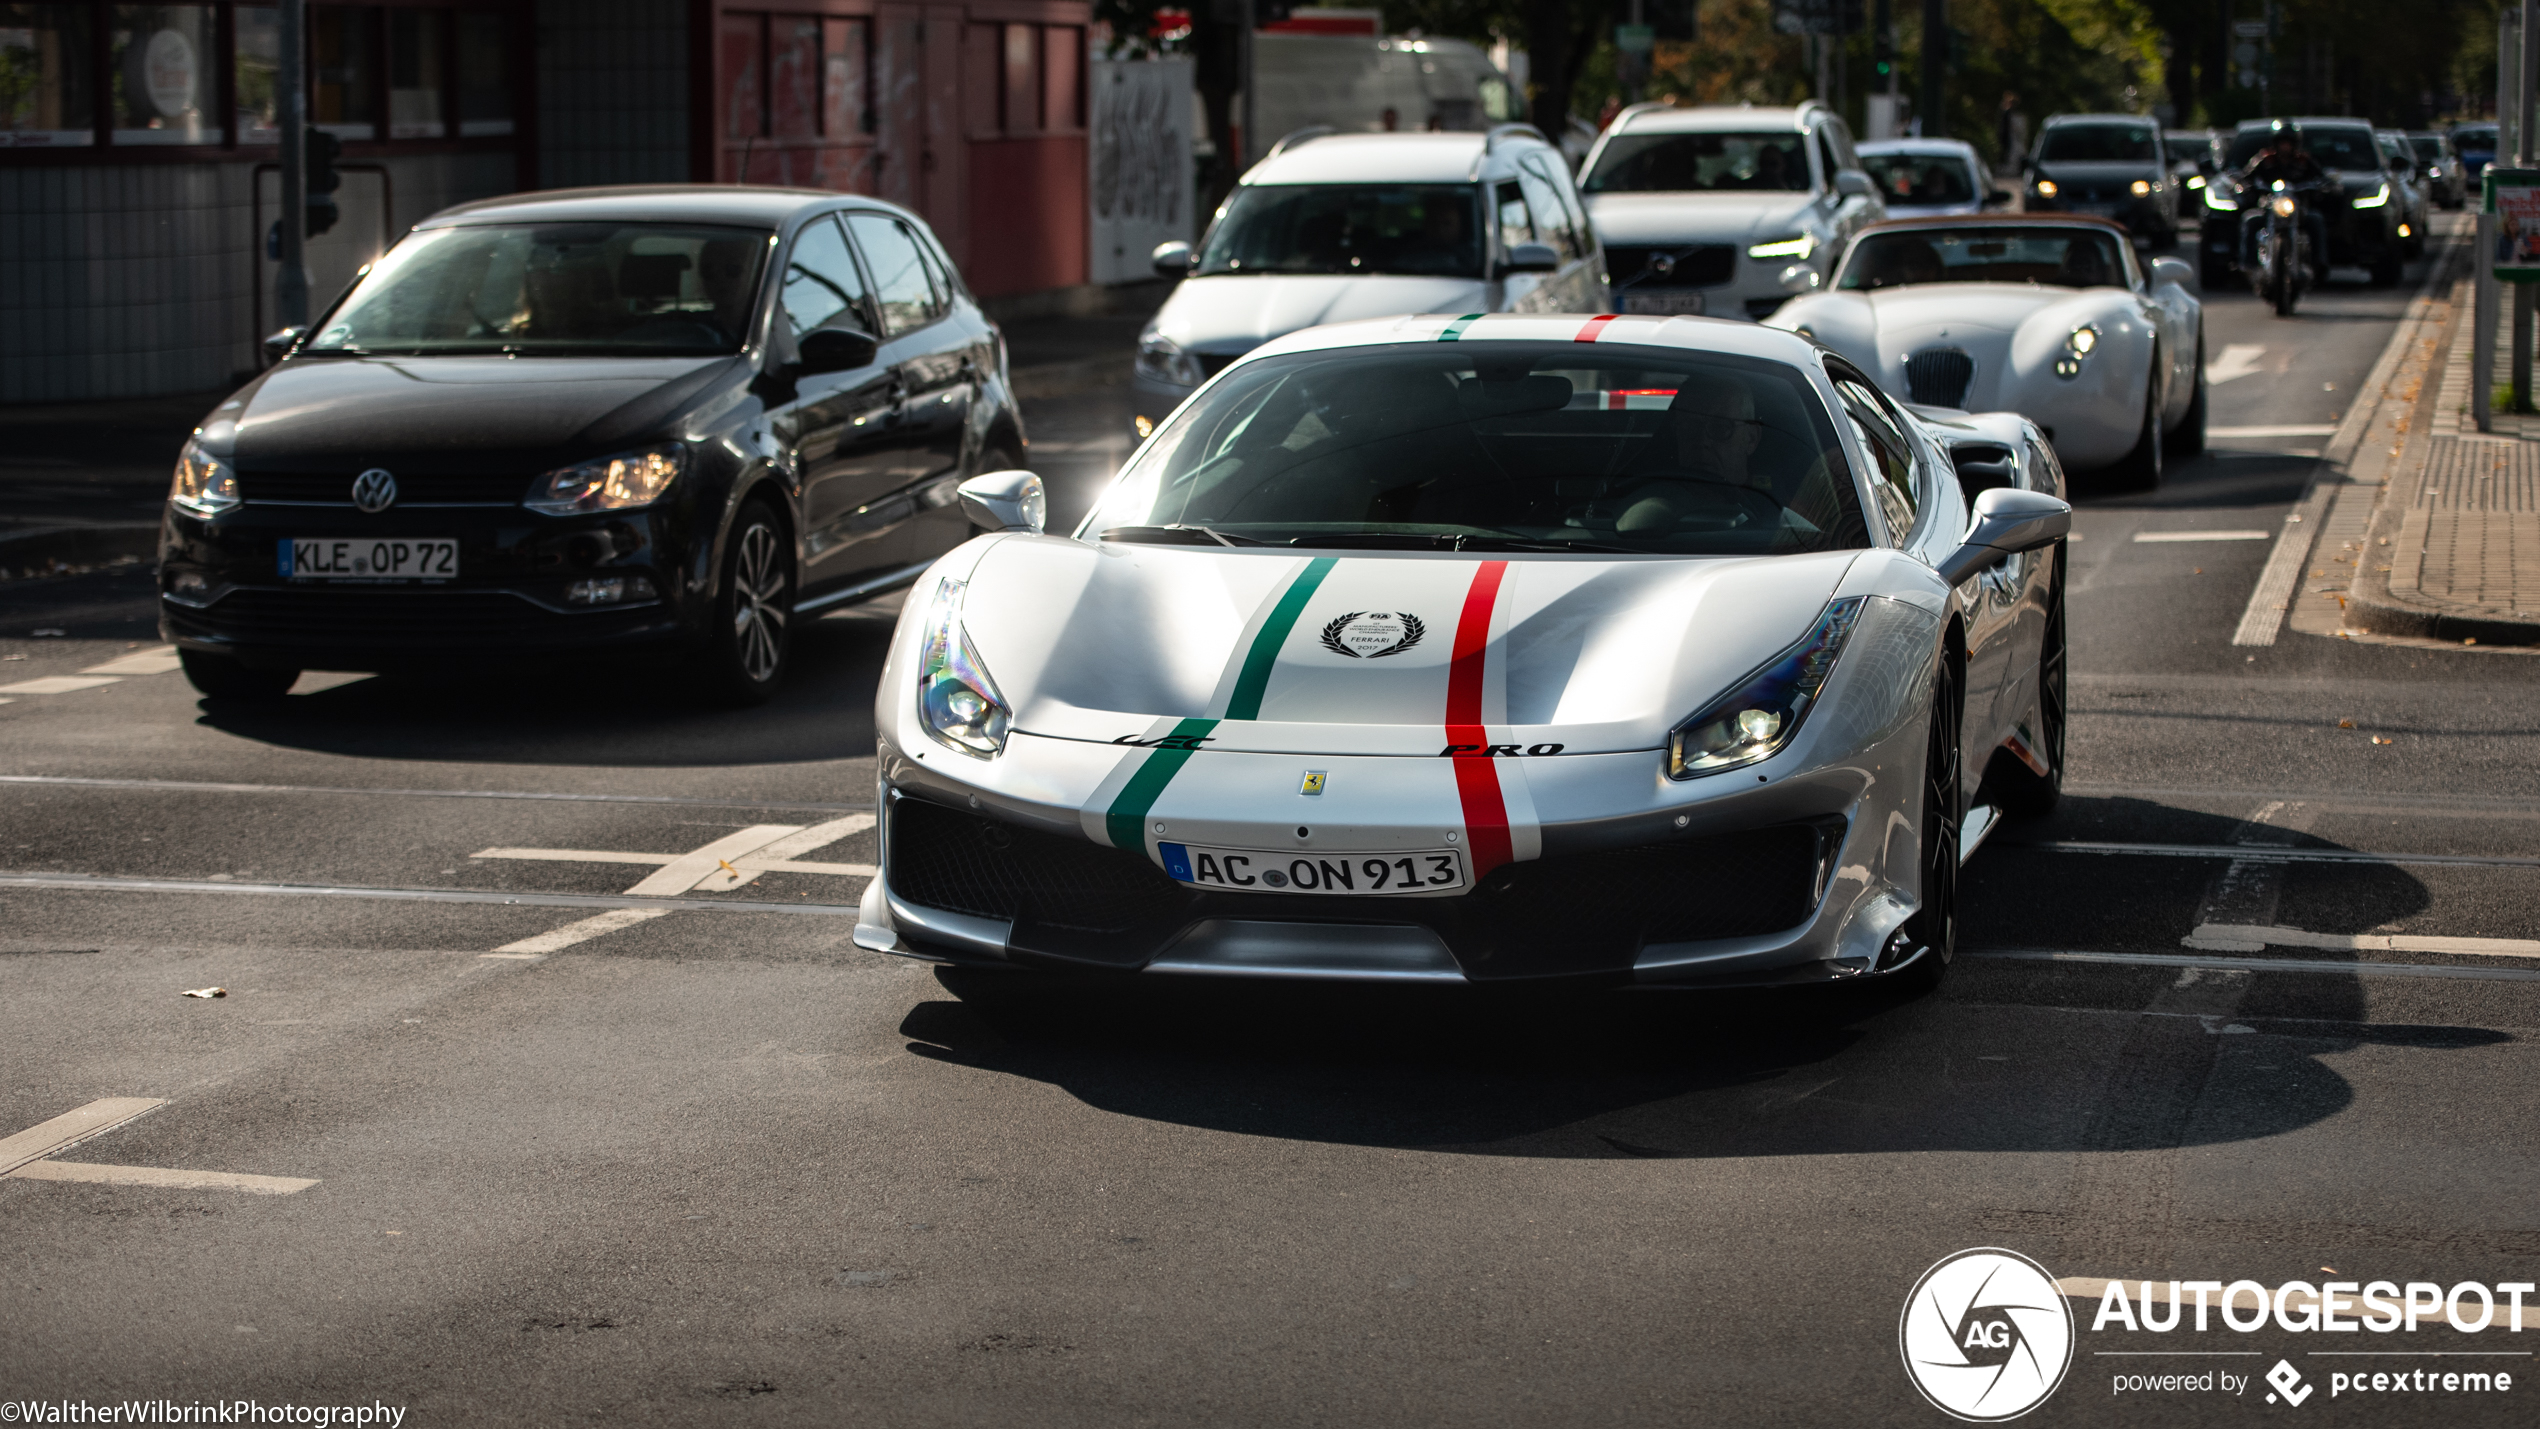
{"x": 1373, "y": 634}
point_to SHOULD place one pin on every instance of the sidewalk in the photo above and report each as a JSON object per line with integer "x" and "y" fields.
{"x": 2437, "y": 535}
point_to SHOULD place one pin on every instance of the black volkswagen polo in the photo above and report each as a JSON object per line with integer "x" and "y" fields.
{"x": 664, "y": 421}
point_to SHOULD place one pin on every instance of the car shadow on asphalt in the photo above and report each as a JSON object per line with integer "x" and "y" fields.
{"x": 2217, "y": 479}
{"x": 590, "y": 712}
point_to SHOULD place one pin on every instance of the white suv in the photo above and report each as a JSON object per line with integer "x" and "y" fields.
{"x": 1725, "y": 211}
{"x": 1330, "y": 227}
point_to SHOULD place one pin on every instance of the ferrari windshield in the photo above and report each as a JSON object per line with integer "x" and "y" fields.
{"x": 560, "y": 289}
{"x": 1427, "y": 229}
{"x": 2096, "y": 144}
{"x": 2024, "y": 253}
{"x": 1699, "y": 163}
{"x": 1551, "y": 446}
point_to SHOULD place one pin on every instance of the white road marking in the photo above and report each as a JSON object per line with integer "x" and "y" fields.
{"x": 2243, "y": 935}
{"x": 724, "y": 868}
{"x": 70, "y": 1128}
{"x": 2171, "y": 538}
{"x": 157, "y": 661}
{"x": 2320, "y": 429}
{"x": 209, "y": 787}
{"x": 2262, "y": 854}
{"x": 2444, "y": 972}
{"x": 2263, "y": 619}
{"x": 709, "y": 865}
{"x": 783, "y": 853}
{"x": 2238, "y": 360}
{"x": 162, "y": 1176}
{"x": 58, "y": 684}
{"x": 109, "y": 883}
{"x": 579, "y": 855}
{"x": 312, "y": 682}
{"x": 572, "y": 933}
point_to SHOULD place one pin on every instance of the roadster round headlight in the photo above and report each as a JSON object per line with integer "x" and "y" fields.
{"x": 2283, "y": 204}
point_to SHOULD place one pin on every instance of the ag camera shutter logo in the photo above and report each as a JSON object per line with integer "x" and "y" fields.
{"x": 1985, "y": 1335}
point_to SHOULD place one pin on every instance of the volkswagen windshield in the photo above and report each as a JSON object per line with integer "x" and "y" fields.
{"x": 1427, "y": 230}
{"x": 1701, "y": 163}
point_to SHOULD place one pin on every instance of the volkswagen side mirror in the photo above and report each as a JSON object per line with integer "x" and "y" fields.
{"x": 1005, "y": 501}
{"x": 2007, "y": 522}
{"x": 1530, "y": 258}
{"x": 1172, "y": 260}
{"x": 278, "y": 345}
{"x": 837, "y": 349}
{"x": 1852, "y": 183}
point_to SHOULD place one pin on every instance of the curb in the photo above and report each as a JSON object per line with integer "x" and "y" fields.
{"x": 31, "y": 553}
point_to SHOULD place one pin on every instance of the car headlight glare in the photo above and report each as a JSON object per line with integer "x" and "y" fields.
{"x": 1161, "y": 359}
{"x": 2140, "y": 187}
{"x": 955, "y": 698}
{"x": 1798, "y": 245}
{"x": 2221, "y": 196}
{"x": 2078, "y": 346}
{"x": 2195, "y": 181}
{"x": 2046, "y": 188}
{"x": 610, "y": 483}
{"x": 2283, "y": 204}
{"x": 2378, "y": 197}
{"x": 1761, "y": 716}
{"x": 204, "y": 485}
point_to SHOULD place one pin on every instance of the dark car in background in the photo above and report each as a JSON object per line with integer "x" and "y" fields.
{"x": 2475, "y": 146}
{"x": 2445, "y": 183}
{"x": 657, "y": 422}
{"x": 2361, "y": 207}
{"x": 2193, "y": 157}
{"x": 2109, "y": 165}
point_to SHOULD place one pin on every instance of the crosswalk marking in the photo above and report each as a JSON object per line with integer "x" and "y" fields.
{"x": 158, "y": 661}
{"x": 25, "y": 1156}
{"x": 58, "y": 684}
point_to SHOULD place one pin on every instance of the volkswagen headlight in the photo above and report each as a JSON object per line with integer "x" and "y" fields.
{"x": 1161, "y": 359}
{"x": 610, "y": 483}
{"x": 2046, "y": 188}
{"x": 2140, "y": 187}
{"x": 204, "y": 485}
{"x": 2078, "y": 346}
{"x": 1756, "y": 719}
{"x": 1797, "y": 245}
{"x": 955, "y": 697}
{"x": 2375, "y": 199}
{"x": 2283, "y": 204}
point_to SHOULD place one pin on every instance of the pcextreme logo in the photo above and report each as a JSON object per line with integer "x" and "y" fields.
{"x": 1986, "y": 1336}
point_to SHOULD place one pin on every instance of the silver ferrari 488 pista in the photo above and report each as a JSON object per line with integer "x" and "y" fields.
{"x": 1638, "y": 650}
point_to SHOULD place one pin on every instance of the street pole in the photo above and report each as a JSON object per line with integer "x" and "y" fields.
{"x": 2483, "y": 316}
{"x": 1935, "y": 58}
{"x": 2523, "y": 292}
{"x": 291, "y": 111}
{"x": 1245, "y": 144}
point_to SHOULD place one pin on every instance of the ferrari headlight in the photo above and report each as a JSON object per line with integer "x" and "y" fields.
{"x": 609, "y": 483}
{"x": 2283, "y": 204}
{"x": 955, "y": 697}
{"x": 1763, "y": 713}
{"x": 2082, "y": 342}
{"x": 2139, "y": 188}
{"x": 1797, "y": 245}
{"x": 1161, "y": 359}
{"x": 2378, "y": 197}
{"x": 204, "y": 485}
{"x": 2046, "y": 188}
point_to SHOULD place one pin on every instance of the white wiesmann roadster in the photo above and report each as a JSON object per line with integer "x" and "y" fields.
{"x": 1641, "y": 649}
{"x": 2053, "y": 317}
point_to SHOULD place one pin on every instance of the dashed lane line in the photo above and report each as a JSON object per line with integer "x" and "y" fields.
{"x": 71, "y": 1128}
{"x": 2439, "y": 971}
{"x": 2173, "y": 538}
{"x": 2323, "y": 429}
{"x": 157, "y": 661}
{"x": 581, "y": 932}
{"x": 110, "y": 883}
{"x": 58, "y": 684}
{"x": 26, "y": 1156}
{"x": 2248, "y": 937}
{"x": 205, "y": 786}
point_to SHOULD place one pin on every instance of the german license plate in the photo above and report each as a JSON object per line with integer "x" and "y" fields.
{"x": 368, "y": 558}
{"x": 1663, "y": 302}
{"x": 1252, "y": 870}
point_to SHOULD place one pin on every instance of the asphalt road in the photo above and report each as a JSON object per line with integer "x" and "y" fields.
{"x": 719, "y": 1166}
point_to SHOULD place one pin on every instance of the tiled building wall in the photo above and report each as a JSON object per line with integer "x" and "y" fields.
{"x": 612, "y": 92}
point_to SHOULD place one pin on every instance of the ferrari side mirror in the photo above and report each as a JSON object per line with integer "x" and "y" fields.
{"x": 1171, "y": 260}
{"x": 1005, "y": 501}
{"x": 2007, "y": 522}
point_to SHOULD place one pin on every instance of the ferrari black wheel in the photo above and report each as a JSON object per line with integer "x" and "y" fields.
{"x": 2024, "y": 790}
{"x": 224, "y": 677}
{"x": 745, "y": 653}
{"x": 1932, "y": 933}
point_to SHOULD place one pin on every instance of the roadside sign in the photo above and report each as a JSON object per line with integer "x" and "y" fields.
{"x": 2249, "y": 29}
{"x": 1635, "y": 39}
{"x": 2513, "y": 197}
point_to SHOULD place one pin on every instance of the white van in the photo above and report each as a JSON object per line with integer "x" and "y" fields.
{"x": 1331, "y": 227}
{"x": 1354, "y": 82}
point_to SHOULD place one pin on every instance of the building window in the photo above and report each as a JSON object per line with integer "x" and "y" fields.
{"x": 847, "y": 91}
{"x": 794, "y": 75}
{"x": 160, "y": 65}
{"x": 741, "y": 50}
{"x": 45, "y": 77}
{"x": 418, "y": 73}
{"x": 1062, "y": 87}
{"x": 259, "y": 45}
{"x": 343, "y": 91}
{"x": 485, "y": 77}
{"x": 1019, "y": 112}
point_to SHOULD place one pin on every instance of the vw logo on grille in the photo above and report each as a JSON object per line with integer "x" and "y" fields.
{"x": 374, "y": 490}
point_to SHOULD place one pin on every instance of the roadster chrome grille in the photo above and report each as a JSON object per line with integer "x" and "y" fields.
{"x": 1938, "y": 376}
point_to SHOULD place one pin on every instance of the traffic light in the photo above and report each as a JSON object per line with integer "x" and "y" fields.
{"x": 323, "y": 150}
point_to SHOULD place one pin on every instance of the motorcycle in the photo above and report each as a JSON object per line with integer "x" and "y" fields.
{"x": 2284, "y": 257}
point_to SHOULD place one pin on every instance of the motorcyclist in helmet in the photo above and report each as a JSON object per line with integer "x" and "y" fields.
{"x": 2284, "y": 160}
